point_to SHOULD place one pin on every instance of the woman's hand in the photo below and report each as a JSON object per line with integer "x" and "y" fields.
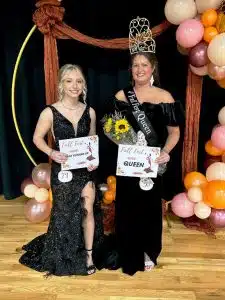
{"x": 163, "y": 158}
{"x": 91, "y": 168}
{"x": 58, "y": 157}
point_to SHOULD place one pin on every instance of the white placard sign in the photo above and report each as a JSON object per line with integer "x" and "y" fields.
{"x": 137, "y": 161}
{"x": 82, "y": 152}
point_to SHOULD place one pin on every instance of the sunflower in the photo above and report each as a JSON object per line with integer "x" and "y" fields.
{"x": 121, "y": 126}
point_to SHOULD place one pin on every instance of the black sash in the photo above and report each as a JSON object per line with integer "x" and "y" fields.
{"x": 141, "y": 118}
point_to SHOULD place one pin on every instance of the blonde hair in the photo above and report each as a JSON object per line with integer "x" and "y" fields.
{"x": 62, "y": 72}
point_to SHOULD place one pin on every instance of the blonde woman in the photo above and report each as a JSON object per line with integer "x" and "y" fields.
{"x": 75, "y": 225}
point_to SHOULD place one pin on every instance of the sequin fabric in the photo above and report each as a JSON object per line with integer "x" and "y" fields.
{"x": 61, "y": 251}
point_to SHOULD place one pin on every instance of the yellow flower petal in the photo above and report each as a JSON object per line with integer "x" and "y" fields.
{"x": 121, "y": 126}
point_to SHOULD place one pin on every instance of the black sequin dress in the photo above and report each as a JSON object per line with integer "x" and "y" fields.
{"x": 60, "y": 251}
{"x": 138, "y": 212}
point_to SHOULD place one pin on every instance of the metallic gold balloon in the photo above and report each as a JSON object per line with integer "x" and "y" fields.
{"x": 198, "y": 55}
{"x": 41, "y": 175}
{"x": 217, "y": 217}
{"x": 216, "y": 72}
{"x": 37, "y": 212}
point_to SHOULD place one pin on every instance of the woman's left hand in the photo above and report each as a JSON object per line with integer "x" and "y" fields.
{"x": 91, "y": 168}
{"x": 163, "y": 158}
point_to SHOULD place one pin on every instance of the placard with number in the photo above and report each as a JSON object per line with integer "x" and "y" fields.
{"x": 65, "y": 176}
{"x": 137, "y": 161}
{"x": 82, "y": 152}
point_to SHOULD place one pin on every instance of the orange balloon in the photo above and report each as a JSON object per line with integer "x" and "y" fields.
{"x": 111, "y": 179}
{"x": 210, "y": 33}
{"x": 211, "y": 150}
{"x": 107, "y": 201}
{"x": 221, "y": 83}
{"x": 209, "y": 17}
{"x": 195, "y": 179}
{"x": 214, "y": 194}
{"x": 112, "y": 186}
{"x": 109, "y": 195}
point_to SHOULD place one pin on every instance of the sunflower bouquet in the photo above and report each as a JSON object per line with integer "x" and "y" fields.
{"x": 117, "y": 129}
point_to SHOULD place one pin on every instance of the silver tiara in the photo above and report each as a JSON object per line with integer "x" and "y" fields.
{"x": 140, "y": 36}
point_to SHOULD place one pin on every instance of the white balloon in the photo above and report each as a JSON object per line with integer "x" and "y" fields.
{"x": 195, "y": 194}
{"x": 203, "y": 5}
{"x": 201, "y": 71}
{"x": 216, "y": 171}
{"x": 221, "y": 116}
{"x": 216, "y": 50}
{"x": 177, "y": 11}
{"x": 41, "y": 195}
{"x": 202, "y": 211}
{"x": 30, "y": 190}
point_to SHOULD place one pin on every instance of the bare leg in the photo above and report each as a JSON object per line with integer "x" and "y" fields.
{"x": 88, "y": 194}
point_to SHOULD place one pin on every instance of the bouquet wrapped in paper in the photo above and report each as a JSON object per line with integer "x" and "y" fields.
{"x": 117, "y": 129}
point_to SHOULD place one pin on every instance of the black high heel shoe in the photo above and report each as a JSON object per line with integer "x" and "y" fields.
{"x": 90, "y": 269}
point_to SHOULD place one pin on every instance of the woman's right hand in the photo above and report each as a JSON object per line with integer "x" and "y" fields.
{"x": 58, "y": 157}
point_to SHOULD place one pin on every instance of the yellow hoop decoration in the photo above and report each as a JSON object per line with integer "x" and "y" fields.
{"x": 13, "y": 93}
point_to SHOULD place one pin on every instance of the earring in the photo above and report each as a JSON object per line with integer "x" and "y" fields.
{"x": 152, "y": 80}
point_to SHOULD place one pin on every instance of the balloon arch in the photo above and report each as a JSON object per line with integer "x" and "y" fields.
{"x": 201, "y": 36}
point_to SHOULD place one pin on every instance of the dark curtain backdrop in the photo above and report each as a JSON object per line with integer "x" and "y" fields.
{"x": 106, "y": 72}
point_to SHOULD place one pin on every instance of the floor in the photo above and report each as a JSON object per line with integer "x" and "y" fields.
{"x": 191, "y": 266}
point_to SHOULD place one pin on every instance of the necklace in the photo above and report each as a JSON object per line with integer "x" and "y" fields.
{"x": 70, "y": 107}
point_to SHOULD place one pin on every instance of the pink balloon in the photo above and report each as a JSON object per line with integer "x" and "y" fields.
{"x": 218, "y": 137}
{"x": 182, "y": 206}
{"x": 37, "y": 212}
{"x": 41, "y": 175}
{"x": 202, "y": 71}
{"x": 217, "y": 217}
{"x": 24, "y": 183}
{"x": 189, "y": 33}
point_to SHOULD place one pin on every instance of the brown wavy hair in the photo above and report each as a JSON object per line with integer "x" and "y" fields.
{"x": 151, "y": 57}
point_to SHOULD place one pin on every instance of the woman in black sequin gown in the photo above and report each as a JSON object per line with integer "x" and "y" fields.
{"x": 76, "y": 225}
{"x": 139, "y": 212}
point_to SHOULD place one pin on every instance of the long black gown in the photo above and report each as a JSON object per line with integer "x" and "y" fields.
{"x": 139, "y": 213}
{"x": 60, "y": 251}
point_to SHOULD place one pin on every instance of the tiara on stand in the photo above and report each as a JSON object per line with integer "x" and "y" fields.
{"x": 140, "y": 36}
